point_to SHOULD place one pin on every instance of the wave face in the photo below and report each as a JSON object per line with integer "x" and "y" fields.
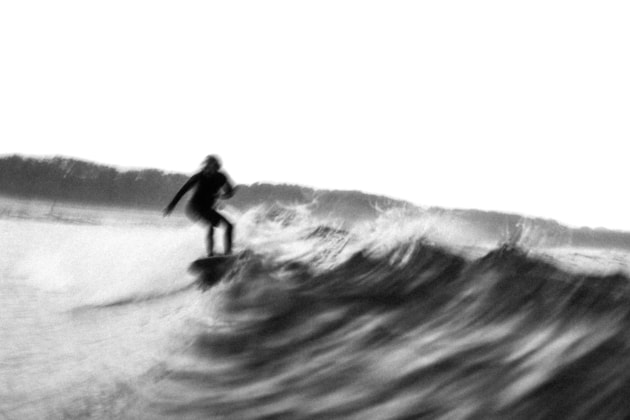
{"x": 400, "y": 318}
{"x": 418, "y": 332}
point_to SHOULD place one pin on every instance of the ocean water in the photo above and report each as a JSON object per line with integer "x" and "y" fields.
{"x": 402, "y": 317}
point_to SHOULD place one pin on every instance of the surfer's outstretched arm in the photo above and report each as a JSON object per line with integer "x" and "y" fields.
{"x": 183, "y": 190}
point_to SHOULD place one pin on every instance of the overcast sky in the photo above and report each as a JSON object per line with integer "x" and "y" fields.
{"x": 500, "y": 105}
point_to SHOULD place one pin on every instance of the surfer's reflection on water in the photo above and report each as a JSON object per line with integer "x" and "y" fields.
{"x": 209, "y": 184}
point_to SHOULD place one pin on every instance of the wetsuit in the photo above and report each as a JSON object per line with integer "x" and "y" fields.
{"x": 201, "y": 205}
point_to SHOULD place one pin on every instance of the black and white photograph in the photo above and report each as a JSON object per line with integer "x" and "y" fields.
{"x": 288, "y": 209}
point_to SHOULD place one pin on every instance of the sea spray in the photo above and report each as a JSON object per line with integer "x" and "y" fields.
{"x": 393, "y": 317}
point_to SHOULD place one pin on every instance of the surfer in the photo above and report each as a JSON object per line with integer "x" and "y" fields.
{"x": 210, "y": 184}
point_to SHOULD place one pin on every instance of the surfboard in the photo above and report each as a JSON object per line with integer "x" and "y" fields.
{"x": 209, "y": 263}
{"x": 212, "y": 269}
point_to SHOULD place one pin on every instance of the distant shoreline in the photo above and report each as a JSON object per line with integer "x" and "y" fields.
{"x": 53, "y": 181}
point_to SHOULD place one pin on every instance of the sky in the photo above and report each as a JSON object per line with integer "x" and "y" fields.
{"x": 497, "y": 105}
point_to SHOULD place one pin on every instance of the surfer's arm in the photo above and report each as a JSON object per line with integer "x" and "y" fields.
{"x": 228, "y": 189}
{"x": 183, "y": 190}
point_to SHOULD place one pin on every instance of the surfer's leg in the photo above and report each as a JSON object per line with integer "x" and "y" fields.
{"x": 228, "y": 236}
{"x": 196, "y": 214}
{"x": 217, "y": 219}
{"x": 210, "y": 241}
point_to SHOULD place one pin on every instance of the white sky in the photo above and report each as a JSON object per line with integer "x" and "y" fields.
{"x": 500, "y": 105}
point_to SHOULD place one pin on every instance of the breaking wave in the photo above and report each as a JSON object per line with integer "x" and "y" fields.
{"x": 417, "y": 331}
{"x": 410, "y": 315}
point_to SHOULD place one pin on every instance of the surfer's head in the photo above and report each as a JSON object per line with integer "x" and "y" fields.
{"x": 211, "y": 164}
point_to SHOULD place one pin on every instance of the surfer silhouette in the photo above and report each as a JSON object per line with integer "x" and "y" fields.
{"x": 209, "y": 185}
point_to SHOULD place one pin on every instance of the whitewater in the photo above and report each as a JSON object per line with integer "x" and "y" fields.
{"x": 410, "y": 315}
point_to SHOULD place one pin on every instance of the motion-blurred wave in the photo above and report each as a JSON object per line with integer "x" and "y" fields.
{"x": 415, "y": 332}
{"x": 411, "y": 314}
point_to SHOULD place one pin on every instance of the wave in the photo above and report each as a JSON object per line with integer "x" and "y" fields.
{"x": 405, "y": 316}
{"x": 417, "y": 331}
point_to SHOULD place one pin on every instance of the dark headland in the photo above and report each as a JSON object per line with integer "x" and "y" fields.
{"x": 61, "y": 179}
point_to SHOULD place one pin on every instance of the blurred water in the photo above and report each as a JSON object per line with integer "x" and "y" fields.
{"x": 403, "y": 317}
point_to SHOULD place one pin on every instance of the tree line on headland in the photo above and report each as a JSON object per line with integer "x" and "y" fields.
{"x": 76, "y": 181}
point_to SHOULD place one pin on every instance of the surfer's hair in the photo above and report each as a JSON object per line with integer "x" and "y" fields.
{"x": 213, "y": 159}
